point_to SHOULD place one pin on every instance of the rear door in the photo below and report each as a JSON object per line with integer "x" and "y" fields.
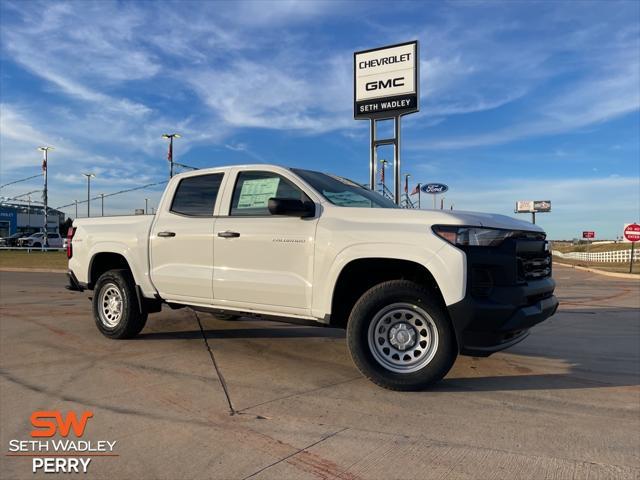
{"x": 181, "y": 240}
{"x": 262, "y": 260}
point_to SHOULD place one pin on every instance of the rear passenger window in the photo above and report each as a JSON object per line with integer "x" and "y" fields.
{"x": 196, "y": 196}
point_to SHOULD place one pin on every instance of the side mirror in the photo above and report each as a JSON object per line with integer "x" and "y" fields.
{"x": 291, "y": 207}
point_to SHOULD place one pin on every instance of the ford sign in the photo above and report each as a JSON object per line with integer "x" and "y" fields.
{"x": 434, "y": 188}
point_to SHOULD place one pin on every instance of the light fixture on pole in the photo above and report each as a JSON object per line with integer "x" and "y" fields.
{"x": 170, "y": 136}
{"x": 89, "y": 177}
{"x": 45, "y": 192}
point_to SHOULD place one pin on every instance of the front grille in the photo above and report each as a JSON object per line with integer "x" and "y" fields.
{"x": 534, "y": 265}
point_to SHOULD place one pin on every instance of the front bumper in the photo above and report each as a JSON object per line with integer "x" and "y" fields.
{"x": 502, "y": 303}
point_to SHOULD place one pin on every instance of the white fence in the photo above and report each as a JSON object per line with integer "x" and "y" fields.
{"x": 613, "y": 256}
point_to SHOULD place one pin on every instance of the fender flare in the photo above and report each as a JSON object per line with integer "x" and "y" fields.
{"x": 114, "y": 248}
{"x": 379, "y": 250}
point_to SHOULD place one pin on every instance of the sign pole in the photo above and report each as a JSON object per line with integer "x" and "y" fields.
{"x": 632, "y": 234}
{"x": 372, "y": 155}
{"x": 419, "y": 193}
{"x": 396, "y": 161}
{"x": 46, "y": 196}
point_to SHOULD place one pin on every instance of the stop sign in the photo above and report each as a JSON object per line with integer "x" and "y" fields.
{"x": 632, "y": 232}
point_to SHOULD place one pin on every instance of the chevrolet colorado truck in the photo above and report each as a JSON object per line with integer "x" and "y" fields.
{"x": 412, "y": 288}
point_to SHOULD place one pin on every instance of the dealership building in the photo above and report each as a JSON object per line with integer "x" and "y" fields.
{"x": 18, "y": 217}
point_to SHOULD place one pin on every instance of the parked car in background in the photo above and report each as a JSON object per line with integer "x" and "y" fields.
{"x": 37, "y": 240}
{"x": 11, "y": 240}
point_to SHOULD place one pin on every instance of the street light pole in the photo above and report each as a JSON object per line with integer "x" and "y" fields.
{"x": 45, "y": 193}
{"x": 170, "y": 136}
{"x": 102, "y": 204}
{"x": 76, "y": 208}
{"x": 89, "y": 177}
{"x": 146, "y": 206}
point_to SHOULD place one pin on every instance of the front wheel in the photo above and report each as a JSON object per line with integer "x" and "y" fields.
{"x": 400, "y": 337}
{"x": 115, "y": 306}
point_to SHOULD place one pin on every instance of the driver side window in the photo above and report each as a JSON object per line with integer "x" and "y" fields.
{"x": 253, "y": 190}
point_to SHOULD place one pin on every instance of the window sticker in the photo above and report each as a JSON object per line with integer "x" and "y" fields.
{"x": 256, "y": 193}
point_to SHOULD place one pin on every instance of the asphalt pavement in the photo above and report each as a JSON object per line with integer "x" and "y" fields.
{"x": 565, "y": 403}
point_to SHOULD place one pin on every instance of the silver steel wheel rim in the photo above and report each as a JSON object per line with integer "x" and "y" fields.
{"x": 110, "y": 305}
{"x": 403, "y": 338}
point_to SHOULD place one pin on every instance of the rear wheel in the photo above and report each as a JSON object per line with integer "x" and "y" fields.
{"x": 115, "y": 306}
{"x": 400, "y": 337}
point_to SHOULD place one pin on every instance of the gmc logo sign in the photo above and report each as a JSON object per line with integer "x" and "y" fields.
{"x": 380, "y": 84}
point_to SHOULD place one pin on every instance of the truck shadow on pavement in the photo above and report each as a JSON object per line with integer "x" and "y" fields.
{"x": 224, "y": 333}
{"x": 597, "y": 351}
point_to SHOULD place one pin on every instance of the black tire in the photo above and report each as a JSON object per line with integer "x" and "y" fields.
{"x": 130, "y": 321}
{"x": 368, "y": 308}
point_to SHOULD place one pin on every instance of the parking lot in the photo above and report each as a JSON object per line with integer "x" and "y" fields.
{"x": 565, "y": 403}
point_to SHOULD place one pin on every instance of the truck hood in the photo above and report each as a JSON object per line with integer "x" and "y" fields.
{"x": 493, "y": 220}
{"x": 434, "y": 217}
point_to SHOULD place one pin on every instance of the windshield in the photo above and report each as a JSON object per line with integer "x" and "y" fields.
{"x": 343, "y": 192}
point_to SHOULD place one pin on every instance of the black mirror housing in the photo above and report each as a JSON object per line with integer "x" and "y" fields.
{"x": 291, "y": 207}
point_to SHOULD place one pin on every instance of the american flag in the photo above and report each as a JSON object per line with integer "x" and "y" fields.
{"x": 416, "y": 190}
{"x": 44, "y": 165}
{"x": 170, "y": 154}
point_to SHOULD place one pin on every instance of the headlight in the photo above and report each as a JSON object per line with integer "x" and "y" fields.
{"x": 472, "y": 236}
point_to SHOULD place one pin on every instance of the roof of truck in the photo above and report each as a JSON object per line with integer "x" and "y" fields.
{"x": 249, "y": 166}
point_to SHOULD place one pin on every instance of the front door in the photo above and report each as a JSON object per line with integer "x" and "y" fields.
{"x": 262, "y": 259}
{"x": 181, "y": 241}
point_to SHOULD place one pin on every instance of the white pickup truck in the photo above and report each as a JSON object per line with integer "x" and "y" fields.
{"x": 413, "y": 288}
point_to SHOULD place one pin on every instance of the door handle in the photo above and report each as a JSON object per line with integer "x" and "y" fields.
{"x": 166, "y": 234}
{"x": 228, "y": 234}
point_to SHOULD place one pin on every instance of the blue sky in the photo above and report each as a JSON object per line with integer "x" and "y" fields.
{"x": 519, "y": 100}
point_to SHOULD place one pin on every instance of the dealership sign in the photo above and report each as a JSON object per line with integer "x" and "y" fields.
{"x": 542, "y": 205}
{"x": 434, "y": 188}
{"x": 533, "y": 206}
{"x": 588, "y": 234}
{"x": 385, "y": 81}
